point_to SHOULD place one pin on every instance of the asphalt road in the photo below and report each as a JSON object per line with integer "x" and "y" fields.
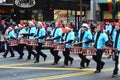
{"x": 13, "y": 69}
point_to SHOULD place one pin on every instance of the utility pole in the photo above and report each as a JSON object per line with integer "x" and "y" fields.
{"x": 92, "y": 9}
{"x": 113, "y": 11}
{"x": 80, "y": 13}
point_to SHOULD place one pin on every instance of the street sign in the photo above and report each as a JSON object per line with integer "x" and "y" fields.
{"x": 25, "y": 3}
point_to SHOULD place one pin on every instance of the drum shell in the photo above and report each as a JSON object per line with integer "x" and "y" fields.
{"x": 13, "y": 43}
{"x": 22, "y": 41}
{"x": 75, "y": 50}
{"x": 47, "y": 44}
{"x": 32, "y": 42}
{"x": 59, "y": 47}
{"x": 89, "y": 51}
{"x": 109, "y": 50}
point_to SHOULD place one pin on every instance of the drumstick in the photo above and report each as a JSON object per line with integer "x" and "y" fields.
{"x": 80, "y": 42}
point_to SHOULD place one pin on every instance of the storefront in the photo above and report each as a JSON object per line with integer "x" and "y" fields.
{"x": 68, "y": 16}
{"x": 47, "y": 10}
{"x": 106, "y": 8}
{"x": 6, "y": 9}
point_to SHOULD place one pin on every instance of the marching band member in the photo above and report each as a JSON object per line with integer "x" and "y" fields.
{"x": 41, "y": 33}
{"x": 116, "y": 44}
{"x": 30, "y": 35}
{"x": 84, "y": 38}
{"x": 68, "y": 40}
{"x": 56, "y": 35}
{"x": 108, "y": 28}
{"x": 20, "y": 33}
{"x": 10, "y": 34}
{"x": 100, "y": 39}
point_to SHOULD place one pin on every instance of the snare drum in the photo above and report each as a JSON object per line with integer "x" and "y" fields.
{"x": 108, "y": 50}
{"x": 13, "y": 43}
{"x": 32, "y": 42}
{"x": 22, "y": 41}
{"x": 89, "y": 51}
{"x": 75, "y": 50}
{"x": 47, "y": 43}
{"x": 59, "y": 47}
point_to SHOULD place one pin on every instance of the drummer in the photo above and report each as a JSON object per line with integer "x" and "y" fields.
{"x": 56, "y": 35}
{"x": 116, "y": 44}
{"x": 31, "y": 31}
{"x": 10, "y": 35}
{"x": 20, "y": 33}
{"x": 68, "y": 40}
{"x": 40, "y": 35}
{"x": 84, "y": 38}
{"x": 100, "y": 39}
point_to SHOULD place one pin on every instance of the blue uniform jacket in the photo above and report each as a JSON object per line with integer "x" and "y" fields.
{"x": 32, "y": 31}
{"x": 58, "y": 32}
{"x": 41, "y": 33}
{"x": 23, "y": 30}
{"x": 12, "y": 35}
{"x": 87, "y": 37}
{"x": 103, "y": 38}
{"x": 70, "y": 36}
{"x": 113, "y": 39}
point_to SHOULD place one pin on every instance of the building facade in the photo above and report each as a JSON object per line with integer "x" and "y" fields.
{"x": 109, "y": 10}
{"x": 47, "y": 10}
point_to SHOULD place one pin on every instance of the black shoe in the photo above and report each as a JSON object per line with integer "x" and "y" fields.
{"x": 87, "y": 63}
{"x": 102, "y": 65}
{"x": 19, "y": 58}
{"x": 71, "y": 61}
{"x": 4, "y": 56}
{"x": 97, "y": 71}
{"x": 45, "y": 57}
{"x": 34, "y": 56}
{"x": 82, "y": 67}
{"x": 58, "y": 59}
{"x": 114, "y": 75}
{"x": 12, "y": 56}
{"x": 54, "y": 63}
{"x": 36, "y": 62}
{"x": 28, "y": 59}
{"x": 65, "y": 65}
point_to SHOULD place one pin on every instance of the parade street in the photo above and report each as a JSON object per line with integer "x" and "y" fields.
{"x": 13, "y": 69}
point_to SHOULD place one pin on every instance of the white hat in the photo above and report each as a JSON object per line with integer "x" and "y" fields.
{"x": 40, "y": 23}
{"x": 31, "y": 22}
{"x": 85, "y": 25}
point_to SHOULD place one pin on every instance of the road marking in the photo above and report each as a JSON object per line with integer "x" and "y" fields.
{"x": 10, "y": 65}
{"x": 48, "y": 68}
{"x": 27, "y": 63}
{"x": 70, "y": 75}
